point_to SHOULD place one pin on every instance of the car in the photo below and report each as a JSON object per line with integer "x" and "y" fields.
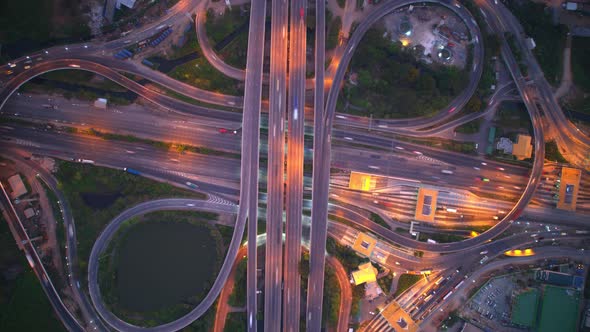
{"x": 27, "y": 67}
{"x": 501, "y": 169}
{"x": 222, "y": 130}
{"x": 8, "y": 72}
{"x": 11, "y": 65}
{"x": 418, "y": 153}
{"x": 190, "y": 204}
{"x": 301, "y": 12}
{"x": 452, "y": 109}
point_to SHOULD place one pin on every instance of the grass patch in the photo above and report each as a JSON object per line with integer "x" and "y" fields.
{"x": 552, "y": 153}
{"x": 234, "y": 54}
{"x": 333, "y": 33}
{"x": 385, "y": 283}
{"x": 235, "y": 322}
{"x": 201, "y": 74}
{"x": 440, "y": 237}
{"x": 189, "y": 100}
{"x": 331, "y": 299}
{"x": 84, "y": 78}
{"x": 238, "y": 296}
{"x": 218, "y": 27}
{"x": 471, "y": 127}
{"x": 180, "y": 148}
{"x": 406, "y": 281}
{"x": 378, "y": 220}
{"x": 117, "y": 189}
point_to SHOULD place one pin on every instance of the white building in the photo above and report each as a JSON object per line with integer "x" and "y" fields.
{"x": 127, "y": 3}
{"x": 100, "y": 103}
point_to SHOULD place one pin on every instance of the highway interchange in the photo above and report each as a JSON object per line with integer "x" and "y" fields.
{"x": 330, "y": 133}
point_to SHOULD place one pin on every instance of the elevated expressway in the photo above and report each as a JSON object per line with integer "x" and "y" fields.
{"x": 323, "y": 149}
{"x": 250, "y": 147}
{"x": 322, "y": 162}
{"x": 273, "y": 278}
{"x": 294, "y": 171}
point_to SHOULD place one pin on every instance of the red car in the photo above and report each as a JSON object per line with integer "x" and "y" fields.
{"x": 225, "y": 131}
{"x": 452, "y": 109}
{"x": 301, "y": 12}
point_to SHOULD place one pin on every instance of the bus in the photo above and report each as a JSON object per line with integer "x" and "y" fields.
{"x": 439, "y": 280}
{"x": 447, "y": 296}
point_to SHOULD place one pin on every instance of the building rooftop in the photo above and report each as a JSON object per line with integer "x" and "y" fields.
{"x": 426, "y": 205}
{"x": 17, "y": 186}
{"x": 523, "y": 148}
{"x": 127, "y": 3}
{"x": 361, "y": 181}
{"x": 364, "y": 244}
{"x": 366, "y": 273}
{"x": 504, "y": 144}
{"x": 568, "y": 190}
{"x": 398, "y": 319}
{"x": 29, "y": 213}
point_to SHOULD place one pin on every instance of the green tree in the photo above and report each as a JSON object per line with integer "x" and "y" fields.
{"x": 473, "y": 105}
{"x": 426, "y": 83}
{"x": 365, "y": 79}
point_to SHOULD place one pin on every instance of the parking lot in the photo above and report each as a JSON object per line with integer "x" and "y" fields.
{"x": 491, "y": 304}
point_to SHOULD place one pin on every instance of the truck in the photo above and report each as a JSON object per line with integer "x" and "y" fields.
{"x": 131, "y": 171}
{"x": 191, "y": 185}
{"x": 148, "y": 63}
{"x": 446, "y": 171}
{"x": 85, "y": 161}
{"x": 447, "y": 296}
{"x": 572, "y": 6}
{"x": 31, "y": 263}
